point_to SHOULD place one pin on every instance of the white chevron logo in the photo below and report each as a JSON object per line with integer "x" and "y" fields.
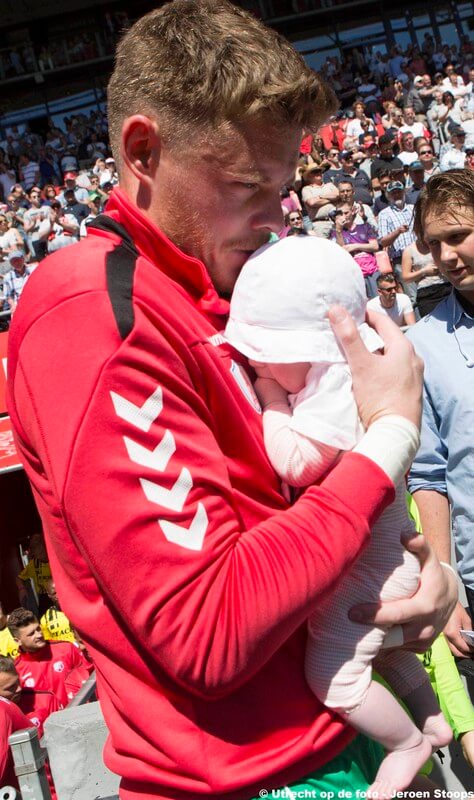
{"x": 174, "y": 499}
{"x": 192, "y": 538}
{"x": 156, "y": 459}
{"x": 141, "y": 417}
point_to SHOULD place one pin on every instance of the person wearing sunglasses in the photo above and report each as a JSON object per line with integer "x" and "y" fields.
{"x": 427, "y": 159}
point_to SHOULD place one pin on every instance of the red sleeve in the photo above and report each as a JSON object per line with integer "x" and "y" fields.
{"x": 140, "y": 484}
{"x": 11, "y": 720}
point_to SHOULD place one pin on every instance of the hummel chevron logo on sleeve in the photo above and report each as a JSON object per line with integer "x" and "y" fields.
{"x": 157, "y": 459}
{"x": 141, "y": 417}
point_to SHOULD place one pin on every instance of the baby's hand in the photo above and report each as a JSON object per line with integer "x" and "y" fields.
{"x": 262, "y": 370}
{"x": 269, "y": 392}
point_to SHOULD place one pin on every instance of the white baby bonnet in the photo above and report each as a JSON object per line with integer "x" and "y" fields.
{"x": 278, "y": 310}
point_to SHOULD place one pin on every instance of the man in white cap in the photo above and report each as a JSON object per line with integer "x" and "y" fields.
{"x": 14, "y": 281}
{"x": 81, "y": 194}
{"x": 395, "y": 224}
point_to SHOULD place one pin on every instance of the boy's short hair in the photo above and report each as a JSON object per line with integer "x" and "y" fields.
{"x": 18, "y": 619}
{"x": 7, "y": 665}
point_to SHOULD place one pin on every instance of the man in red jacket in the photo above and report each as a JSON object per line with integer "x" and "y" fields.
{"x": 175, "y": 553}
{"x": 49, "y": 666}
{"x": 37, "y": 705}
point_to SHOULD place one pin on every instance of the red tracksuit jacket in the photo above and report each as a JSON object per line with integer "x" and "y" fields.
{"x": 54, "y": 669}
{"x": 170, "y": 541}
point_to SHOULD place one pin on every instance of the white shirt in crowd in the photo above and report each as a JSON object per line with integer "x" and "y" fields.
{"x": 397, "y": 312}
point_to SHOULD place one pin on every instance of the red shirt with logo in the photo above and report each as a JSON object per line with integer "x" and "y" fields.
{"x": 37, "y": 706}
{"x": 50, "y": 668}
{"x": 174, "y": 551}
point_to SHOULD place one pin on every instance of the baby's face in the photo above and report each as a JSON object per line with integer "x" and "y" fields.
{"x": 291, "y": 376}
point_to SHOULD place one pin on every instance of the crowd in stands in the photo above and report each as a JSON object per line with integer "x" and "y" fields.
{"x": 59, "y": 49}
{"x": 404, "y": 117}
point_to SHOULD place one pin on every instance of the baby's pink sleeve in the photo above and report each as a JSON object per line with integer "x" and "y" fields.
{"x": 298, "y": 460}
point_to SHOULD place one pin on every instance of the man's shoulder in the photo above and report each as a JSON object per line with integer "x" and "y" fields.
{"x": 422, "y": 334}
{"x": 403, "y": 302}
{"x": 374, "y": 304}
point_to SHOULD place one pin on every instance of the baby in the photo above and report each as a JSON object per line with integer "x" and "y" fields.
{"x": 278, "y": 319}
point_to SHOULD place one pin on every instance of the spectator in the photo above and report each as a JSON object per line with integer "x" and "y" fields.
{"x": 445, "y": 119}
{"x": 69, "y": 161}
{"x": 80, "y": 193}
{"x": 36, "y": 705}
{"x": 94, "y": 204}
{"x": 415, "y": 99}
{"x": 54, "y": 623}
{"x": 420, "y": 270}
{"x": 365, "y": 161}
{"x": 206, "y": 621}
{"x": 407, "y": 154}
{"x": 426, "y": 157}
{"x": 294, "y": 225}
{"x": 395, "y": 224}
{"x": 358, "y": 178}
{"x": 319, "y": 200}
{"x": 10, "y": 238}
{"x": 8, "y": 646}
{"x": 417, "y": 181}
{"x": 64, "y": 229}
{"x": 71, "y": 206}
{"x": 45, "y": 666}
{"x": 29, "y": 171}
{"x": 388, "y": 301}
{"x": 469, "y": 163}
{"x": 333, "y": 133}
{"x": 354, "y": 127}
{"x": 385, "y": 161}
{"x": 38, "y": 571}
{"x": 14, "y": 281}
{"x": 410, "y": 125}
{"x": 7, "y": 179}
{"x": 49, "y": 194}
{"x": 454, "y": 157}
{"x": 364, "y": 212}
{"x": 37, "y": 224}
{"x": 360, "y": 241}
{"x": 381, "y": 201}
{"x": 440, "y": 476}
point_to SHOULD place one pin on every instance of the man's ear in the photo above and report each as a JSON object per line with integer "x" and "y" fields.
{"x": 141, "y": 146}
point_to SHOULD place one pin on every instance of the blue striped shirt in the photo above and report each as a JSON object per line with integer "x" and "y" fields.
{"x": 389, "y": 220}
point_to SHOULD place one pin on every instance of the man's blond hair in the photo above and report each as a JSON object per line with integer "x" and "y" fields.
{"x": 204, "y": 62}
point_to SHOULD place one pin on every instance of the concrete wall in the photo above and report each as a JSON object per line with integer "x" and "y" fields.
{"x": 75, "y": 740}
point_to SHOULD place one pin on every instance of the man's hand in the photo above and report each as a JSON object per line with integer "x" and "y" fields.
{"x": 424, "y": 615}
{"x": 402, "y": 229}
{"x": 459, "y": 619}
{"x": 388, "y": 383}
{"x": 467, "y": 744}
